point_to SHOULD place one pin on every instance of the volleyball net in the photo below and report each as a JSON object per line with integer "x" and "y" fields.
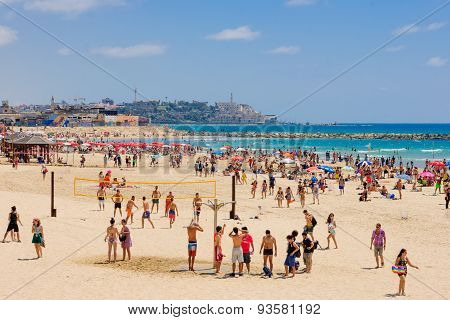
{"x": 83, "y": 187}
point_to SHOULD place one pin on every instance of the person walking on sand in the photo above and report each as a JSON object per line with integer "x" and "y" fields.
{"x": 289, "y": 262}
{"x": 341, "y": 185}
{"x": 192, "y": 242}
{"x": 237, "y": 254}
{"x": 112, "y": 234}
{"x": 172, "y": 211}
{"x": 197, "y": 206}
{"x": 378, "y": 241}
{"x": 302, "y": 193}
{"x": 289, "y": 196}
{"x": 169, "y": 198}
{"x": 279, "y": 197}
{"x": 331, "y": 224}
{"x": 403, "y": 262}
{"x": 130, "y": 205}
{"x": 218, "y": 255}
{"x": 268, "y": 244}
{"x": 44, "y": 171}
{"x": 125, "y": 240}
{"x": 399, "y": 187}
{"x": 264, "y": 190}
{"x": 247, "y": 242}
{"x": 253, "y": 190}
{"x": 146, "y": 214}
{"x": 310, "y": 223}
{"x": 156, "y": 195}
{"x": 117, "y": 198}
{"x": 315, "y": 193}
{"x": 13, "y": 227}
{"x": 101, "y": 194}
{"x": 38, "y": 236}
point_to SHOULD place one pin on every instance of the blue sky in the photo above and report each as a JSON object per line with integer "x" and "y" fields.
{"x": 269, "y": 53}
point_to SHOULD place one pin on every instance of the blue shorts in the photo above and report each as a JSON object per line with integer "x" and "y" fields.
{"x": 290, "y": 261}
{"x": 146, "y": 214}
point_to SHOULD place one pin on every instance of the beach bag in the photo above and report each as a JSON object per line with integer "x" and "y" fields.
{"x": 314, "y": 222}
{"x": 399, "y": 270}
{"x": 122, "y": 237}
{"x": 267, "y": 272}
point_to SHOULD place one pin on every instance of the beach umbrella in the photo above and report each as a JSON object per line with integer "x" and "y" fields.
{"x": 287, "y": 161}
{"x": 67, "y": 144}
{"x": 175, "y": 144}
{"x": 157, "y": 143}
{"x": 218, "y": 152}
{"x": 348, "y": 168}
{"x": 403, "y": 176}
{"x": 427, "y": 175}
{"x": 288, "y": 155}
{"x": 448, "y": 163}
{"x": 86, "y": 145}
{"x": 240, "y": 149}
{"x": 223, "y": 148}
{"x": 237, "y": 158}
{"x": 165, "y": 146}
{"x": 156, "y": 156}
{"x": 327, "y": 169}
{"x": 437, "y": 164}
{"x": 365, "y": 163}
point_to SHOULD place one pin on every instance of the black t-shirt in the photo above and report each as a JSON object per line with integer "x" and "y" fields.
{"x": 307, "y": 243}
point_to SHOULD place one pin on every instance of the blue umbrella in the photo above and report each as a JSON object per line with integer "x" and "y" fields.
{"x": 365, "y": 163}
{"x": 326, "y": 169}
{"x": 218, "y": 152}
{"x": 404, "y": 176}
{"x": 448, "y": 163}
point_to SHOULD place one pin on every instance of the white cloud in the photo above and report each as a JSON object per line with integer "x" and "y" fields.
{"x": 436, "y": 26}
{"x": 240, "y": 33}
{"x": 139, "y": 50}
{"x": 437, "y": 62}
{"x": 300, "y": 2}
{"x": 71, "y": 7}
{"x": 285, "y": 50}
{"x": 7, "y": 35}
{"x": 65, "y": 51}
{"x": 409, "y": 28}
{"x": 395, "y": 48}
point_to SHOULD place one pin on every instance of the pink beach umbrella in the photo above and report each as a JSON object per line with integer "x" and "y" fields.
{"x": 426, "y": 175}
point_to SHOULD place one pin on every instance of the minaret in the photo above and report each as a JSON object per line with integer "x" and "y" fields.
{"x": 231, "y": 98}
{"x": 52, "y": 104}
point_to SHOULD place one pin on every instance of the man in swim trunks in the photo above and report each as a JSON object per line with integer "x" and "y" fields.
{"x": 169, "y": 198}
{"x": 218, "y": 247}
{"x": 117, "y": 198}
{"x": 130, "y": 205}
{"x": 267, "y": 245}
{"x": 13, "y": 227}
{"x": 146, "y": 214}
{"x": 156, "y": 195}
{"x": 310, "y": 224}
{"x": 247, "y": 242}
{"x": 237, "y": 254}
{"x": 172, "y": 210}
{"x": 192, "y": 243}
{"x": 197, "y": 205}
{"x": 101, "y": 194}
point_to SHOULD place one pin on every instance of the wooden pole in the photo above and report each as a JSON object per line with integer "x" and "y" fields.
{"x": 52, "y": 197}
{"x": 233, "y": 197}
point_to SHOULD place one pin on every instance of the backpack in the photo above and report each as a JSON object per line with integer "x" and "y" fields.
{"x": 298, "y": 253}
{"x": 314, "y": 222}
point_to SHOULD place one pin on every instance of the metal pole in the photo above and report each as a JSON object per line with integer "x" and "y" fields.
{"x": 214, "y": 232}
{"x": 233, "y": 197}
{"x": 52, "y": 197}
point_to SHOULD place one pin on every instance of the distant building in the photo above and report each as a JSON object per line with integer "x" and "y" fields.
{"x": 108, "y": 101}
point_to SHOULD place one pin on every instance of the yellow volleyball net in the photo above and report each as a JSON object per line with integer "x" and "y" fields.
{"x": 83, "y": 187}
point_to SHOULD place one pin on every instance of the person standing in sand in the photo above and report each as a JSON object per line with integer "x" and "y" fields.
{"x": 197, "y": 205}
{"x": 117, "y": 198}
{"x": 112, "y": 234}
{"x": 13, "y": 227}
{"x": 378, "y": 241}
{"x": 279, "y": 197}
{"x": 341, "y": 185}
{"x": 311, "y": 222}
{"x": 125, "y": 240}
{"x": 403, "y": 262}
{"x": 247, "y": 242}
{"x": 156, "y": 195}
{"x": 130, "y": 205}
{"x": 331, "y": 224}
{"x": 289, "y": 262}
{"x": 38, "y": 237}
{"x": 218, "y": 247}
{"x": 101, "y": 194}
{"x": 268, "y": 244}
{"x": 146, "y": 214}
{"x": 169, "y": 199}
{"x": 237, "y": 254}
{"x": 264, "y": 190}
{"x": 192, "y": 243}
{"x": 399, "y": 187}
{"x": 447, "y": 195}
{"x": 172, "y": 210}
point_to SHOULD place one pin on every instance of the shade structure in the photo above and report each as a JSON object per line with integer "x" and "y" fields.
{"x": 237, "y": 158}
{"x": 437, "y": 164}
{"x": 348, "y": 168}
{"x": 427, "y": 175}
{"x": 240, "y": 149}
{"x": 403, "y": 177}
{"x": 327, "y": 169}
{"x": 314, "y": 170}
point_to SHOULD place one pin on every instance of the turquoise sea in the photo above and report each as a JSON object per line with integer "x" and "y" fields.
{"x": 410, "y": 150}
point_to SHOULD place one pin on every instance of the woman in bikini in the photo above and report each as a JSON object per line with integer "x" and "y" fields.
{"x": 403, "y": 262}
{"x": 331, "y": 224}
{"x": 279, "y": 197}
{"x": 125, "y": 240}
{"x": 264, "y": 190}
{"x": 111, "y": 237}
{"x": 289, "y": 196}
{"x": 38, "y": 236}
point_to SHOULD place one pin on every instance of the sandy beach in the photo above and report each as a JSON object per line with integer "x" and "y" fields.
{"x": 74, "y": 263}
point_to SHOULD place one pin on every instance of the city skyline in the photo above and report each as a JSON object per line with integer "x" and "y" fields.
{"x": 203, "y": 51}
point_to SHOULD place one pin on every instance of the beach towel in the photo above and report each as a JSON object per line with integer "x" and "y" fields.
{"x": 398, "y": 270}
